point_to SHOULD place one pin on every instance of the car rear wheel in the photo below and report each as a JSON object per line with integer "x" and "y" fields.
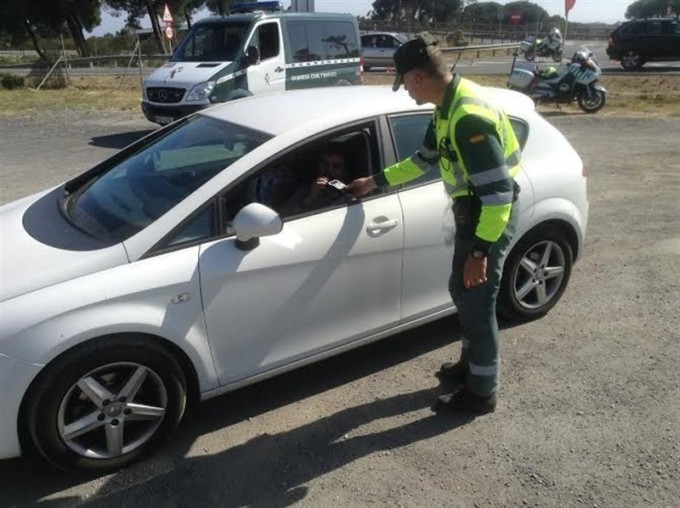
{"x": 535, "y": 274}
{"x": 106, "y": 404}
{"x": 631, "y": 60}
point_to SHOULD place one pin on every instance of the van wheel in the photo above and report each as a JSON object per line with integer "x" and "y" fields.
{"x": 239, "y": 93}
{"x": 105, "y": 404}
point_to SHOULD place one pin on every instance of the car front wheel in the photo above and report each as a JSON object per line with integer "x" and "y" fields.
{"x": 631, "y": 60}
{"x": 535, "y": 274}
{"x": 105, "y": 404}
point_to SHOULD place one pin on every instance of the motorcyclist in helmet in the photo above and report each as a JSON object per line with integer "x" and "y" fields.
{"x": 553, "y": 41}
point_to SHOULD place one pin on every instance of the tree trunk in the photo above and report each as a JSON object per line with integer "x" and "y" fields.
{"x": 76, "y": 29}
{"x": 156, "y": 26}
{"x": 34, "y": 39}
{"x": 187, "y": 16}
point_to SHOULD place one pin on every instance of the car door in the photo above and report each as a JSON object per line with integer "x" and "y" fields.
{"x": 330, "y": 277}
{"x": 269, "y": 73}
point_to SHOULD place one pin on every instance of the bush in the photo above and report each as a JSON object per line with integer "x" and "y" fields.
{"x": 11, "y": 81}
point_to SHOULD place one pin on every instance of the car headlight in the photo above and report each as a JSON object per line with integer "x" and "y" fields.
{"x": 201, "y": 91}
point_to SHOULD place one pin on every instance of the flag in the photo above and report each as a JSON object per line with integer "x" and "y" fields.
{"x": 568, "y": 5}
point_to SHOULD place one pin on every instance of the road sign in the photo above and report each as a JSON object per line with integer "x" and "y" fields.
{"x": 167, "y": 17}
{"x": 169, "y": 32}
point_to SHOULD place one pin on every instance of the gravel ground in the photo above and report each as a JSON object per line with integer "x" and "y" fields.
{"x": 589, "y": 410}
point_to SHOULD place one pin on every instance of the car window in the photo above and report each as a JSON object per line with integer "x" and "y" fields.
{"x": 636, "y": 27}
{"x": 306, "y": 41}
{"x": 138, "y": 189}
{"x": 408, "y": 132}
{"x": 266, "y": 40}
{"x": 339, "y": 40}
{"x": 368, "y": 41}
{"x": 211, "y": 43}
{"x": 654, "y": 27}
{"x": 291, "y": 184}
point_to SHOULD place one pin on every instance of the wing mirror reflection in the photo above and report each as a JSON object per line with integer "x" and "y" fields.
{"x": 252, "y": 222}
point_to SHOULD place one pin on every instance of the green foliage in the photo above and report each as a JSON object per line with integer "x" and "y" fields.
{"x": 11, "y": 81}
{"x": 652, "y": 8}
{"x": 416, "y": 10}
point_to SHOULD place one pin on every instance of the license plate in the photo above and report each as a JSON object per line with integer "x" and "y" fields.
{"x": 164, "y": 120}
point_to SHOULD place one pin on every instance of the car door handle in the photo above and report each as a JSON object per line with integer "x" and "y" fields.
{"x": 378, "y": 226}
{"x": 278, "y": 69}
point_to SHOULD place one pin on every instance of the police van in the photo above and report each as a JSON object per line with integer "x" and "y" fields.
{"x": 256, "y": 49}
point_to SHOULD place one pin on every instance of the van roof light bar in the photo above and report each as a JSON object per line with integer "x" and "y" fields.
{"x": 270, "y": 6}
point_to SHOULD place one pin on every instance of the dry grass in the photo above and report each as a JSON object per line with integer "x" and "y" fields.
{"x": 629, "y": 96}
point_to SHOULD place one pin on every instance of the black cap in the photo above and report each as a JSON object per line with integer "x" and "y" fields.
{"x": 412, "y": 54}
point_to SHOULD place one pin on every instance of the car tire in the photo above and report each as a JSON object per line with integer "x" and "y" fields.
{"x": 631, "y": 60}
{"x": 105, "y": 404}
{"x": 535, "y": 274}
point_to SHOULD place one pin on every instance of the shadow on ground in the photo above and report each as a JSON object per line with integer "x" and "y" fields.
{"x": 120, "y": 140}
{"x": 270, "y": 469}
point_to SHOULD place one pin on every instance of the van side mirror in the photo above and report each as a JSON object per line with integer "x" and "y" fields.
{"x": 252, "y": 222}
{"x": 252, "y": 55}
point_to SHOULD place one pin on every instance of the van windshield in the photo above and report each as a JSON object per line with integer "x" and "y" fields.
{"x": 215, "y": 42}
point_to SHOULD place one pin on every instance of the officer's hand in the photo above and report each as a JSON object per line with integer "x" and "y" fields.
{"x": 361, "y": 186}
{"x": 474, "y": 272}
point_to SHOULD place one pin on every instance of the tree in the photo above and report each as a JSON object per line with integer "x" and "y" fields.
{"x": 415, "y": 10}
{"x": 652, "y": 8}
{"x": 531, "y": 12}
{"x": 484, "y": 12}
{"x": 137, "y": 9}
{"x": 46, "y": 18}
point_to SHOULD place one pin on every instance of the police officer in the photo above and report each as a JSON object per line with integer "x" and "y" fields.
{"x": 478, "y": 157}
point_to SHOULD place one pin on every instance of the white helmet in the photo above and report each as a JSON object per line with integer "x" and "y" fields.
{"x": 555, "y": 31}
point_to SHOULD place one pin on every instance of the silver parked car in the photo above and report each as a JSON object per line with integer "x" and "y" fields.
{"x": 377, "y": 48}
{"x": 172, "y": 271}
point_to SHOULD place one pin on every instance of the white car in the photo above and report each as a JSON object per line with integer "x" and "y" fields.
{"x": 154, "y": 278}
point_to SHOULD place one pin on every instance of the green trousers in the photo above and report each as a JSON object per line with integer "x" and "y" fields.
{"x": 477, "y": 309}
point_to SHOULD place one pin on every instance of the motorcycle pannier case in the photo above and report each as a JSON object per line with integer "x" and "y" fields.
{"x": 520, "y": 78}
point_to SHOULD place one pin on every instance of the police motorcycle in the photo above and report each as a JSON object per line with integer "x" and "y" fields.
{"x": 551, "y": 46}
{"x": 576, "y": 80}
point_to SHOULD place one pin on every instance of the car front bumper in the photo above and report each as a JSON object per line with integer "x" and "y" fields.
{"x": 167, "y": 114}
{"x": 15, "y": 378}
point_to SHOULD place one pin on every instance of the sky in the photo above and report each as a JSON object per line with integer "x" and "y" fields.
{"x": 606, "y": 11}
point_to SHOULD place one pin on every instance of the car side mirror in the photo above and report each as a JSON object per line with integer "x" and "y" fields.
{"x": 252, "y": 55}
{"x": 252, "y": 222}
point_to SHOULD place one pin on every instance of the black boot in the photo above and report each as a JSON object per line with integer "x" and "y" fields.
{"x": 453, "y": 372}
{"x": 464, "y": 401}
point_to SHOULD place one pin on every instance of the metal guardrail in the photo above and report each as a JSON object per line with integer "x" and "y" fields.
{"x": 493, "y": 48}
{"x": 79, "y": 62}
{"x": 133, "y": 58}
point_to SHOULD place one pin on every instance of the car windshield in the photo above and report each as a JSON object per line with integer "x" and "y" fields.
{"x": 219, "y": 42}
{"x": 137, "y": 190}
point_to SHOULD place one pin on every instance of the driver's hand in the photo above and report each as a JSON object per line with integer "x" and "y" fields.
{"x": 361, "y": 186}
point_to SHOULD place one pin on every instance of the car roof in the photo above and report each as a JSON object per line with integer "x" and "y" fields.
{"x": 322, "y": 108}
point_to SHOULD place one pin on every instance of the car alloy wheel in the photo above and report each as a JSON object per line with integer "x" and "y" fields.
{"x": 112, "y": 410}
{"x": 535, "y": 274}
{"x": 105, "y": 403}
{"x": 631, "y": 60}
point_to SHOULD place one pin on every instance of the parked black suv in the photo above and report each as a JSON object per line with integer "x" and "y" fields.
{"x": 642, "y": 40}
